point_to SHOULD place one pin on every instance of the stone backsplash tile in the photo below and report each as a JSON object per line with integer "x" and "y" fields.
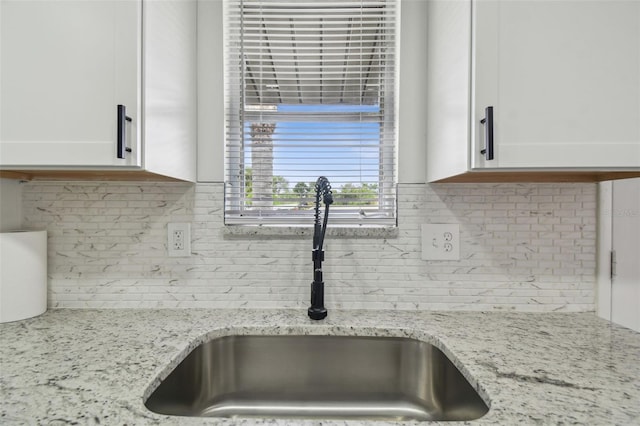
{"x": 525, "y": 247}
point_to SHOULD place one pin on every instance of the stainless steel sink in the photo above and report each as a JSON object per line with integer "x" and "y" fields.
{"x": 328, "y": 377}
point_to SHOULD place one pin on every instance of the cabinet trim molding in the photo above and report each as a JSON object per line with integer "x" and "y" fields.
{"x": 538, "y": 176}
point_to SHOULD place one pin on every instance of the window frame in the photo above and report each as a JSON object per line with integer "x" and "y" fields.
{"x": 234, "y": 213}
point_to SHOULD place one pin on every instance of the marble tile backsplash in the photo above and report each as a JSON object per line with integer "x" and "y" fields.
{"x": 525, "y": 247}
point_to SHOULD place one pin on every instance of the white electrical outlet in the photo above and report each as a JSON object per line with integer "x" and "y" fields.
{"x": 179, "y": 239}
{"x": 441, "y": 242}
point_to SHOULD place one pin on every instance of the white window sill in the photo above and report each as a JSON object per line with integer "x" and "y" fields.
{"x": 231, "y": 232}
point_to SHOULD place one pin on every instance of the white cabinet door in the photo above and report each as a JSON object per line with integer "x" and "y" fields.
{"x": 625, "y": 283}
{"x": 65, "y": 66}
{"x": 563, "y": 78}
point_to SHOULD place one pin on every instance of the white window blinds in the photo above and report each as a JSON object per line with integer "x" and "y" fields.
{"x": 310, "y": 91}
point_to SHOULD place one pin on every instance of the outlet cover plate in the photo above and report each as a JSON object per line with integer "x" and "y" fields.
{"x": 179, "y": 239}
{"x": 440, "y": 241}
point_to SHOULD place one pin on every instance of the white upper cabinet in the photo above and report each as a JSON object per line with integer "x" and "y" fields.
{"x": 67, "y": 66}
{"x": 561, "y": 79}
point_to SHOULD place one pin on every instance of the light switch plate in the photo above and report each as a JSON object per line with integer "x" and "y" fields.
{"x": 440, "y": 241}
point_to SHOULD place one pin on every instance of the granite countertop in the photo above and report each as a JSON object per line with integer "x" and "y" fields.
{"x": 97, "y": 366}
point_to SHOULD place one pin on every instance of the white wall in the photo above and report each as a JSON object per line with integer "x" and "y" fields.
{"x": 10, "y": 205}
{"x": 603, "y": 266}
{"x": 211, "y": 126}
{"x": 412, "y": 129}
{"x": 528, "y": 247}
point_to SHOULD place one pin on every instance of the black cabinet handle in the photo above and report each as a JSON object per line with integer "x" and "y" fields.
{"x": 488, "y": 133}
{"x": 122, "y": 131}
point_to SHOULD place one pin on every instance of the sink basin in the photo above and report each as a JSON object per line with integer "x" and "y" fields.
{"x": 328, "y": 377}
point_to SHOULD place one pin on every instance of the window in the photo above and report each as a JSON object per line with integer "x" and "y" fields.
{"x": 310, "y": 91}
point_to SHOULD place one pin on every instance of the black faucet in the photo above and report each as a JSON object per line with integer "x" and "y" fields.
{"x": 317, "y": 310}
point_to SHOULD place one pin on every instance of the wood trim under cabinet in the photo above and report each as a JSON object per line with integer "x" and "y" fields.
{"x": 86, "y": 175}
{"x": 469, "y": 177}
{"x": 538, "y": 176}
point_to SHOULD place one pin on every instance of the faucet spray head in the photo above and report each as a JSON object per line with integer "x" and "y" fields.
{"x": 323, "y": 188}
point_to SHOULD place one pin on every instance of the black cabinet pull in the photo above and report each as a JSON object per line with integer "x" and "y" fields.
{"x": 488, "y": 133}
{"x": 122, "y": 131}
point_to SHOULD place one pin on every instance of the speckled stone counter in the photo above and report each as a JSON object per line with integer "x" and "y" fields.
{"x": 98, "y": 366}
